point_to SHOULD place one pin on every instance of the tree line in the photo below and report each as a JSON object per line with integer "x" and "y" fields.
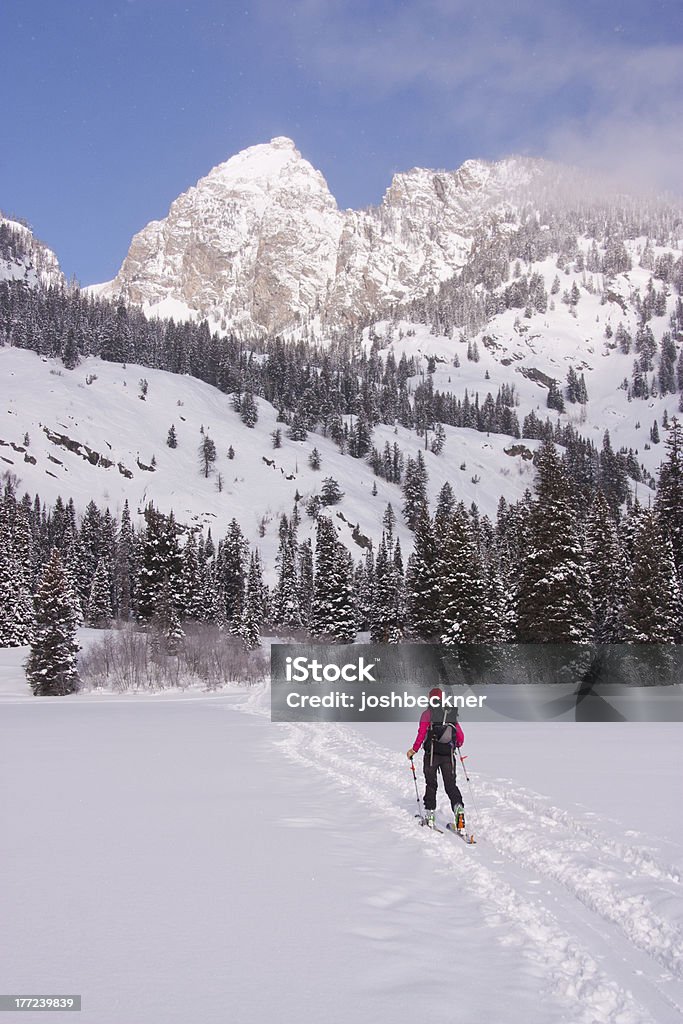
{"x": 550, "y": 568}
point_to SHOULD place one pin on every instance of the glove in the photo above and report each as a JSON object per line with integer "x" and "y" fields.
{"x": 411, "y": 754}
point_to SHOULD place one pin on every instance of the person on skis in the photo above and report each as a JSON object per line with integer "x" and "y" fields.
{"x": 441, "y": 733}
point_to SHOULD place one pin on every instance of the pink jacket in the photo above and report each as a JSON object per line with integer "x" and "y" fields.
{"x": 425, "y": 719}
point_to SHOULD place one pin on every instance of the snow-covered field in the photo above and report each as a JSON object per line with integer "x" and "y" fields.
{"x": 180, "y": 858}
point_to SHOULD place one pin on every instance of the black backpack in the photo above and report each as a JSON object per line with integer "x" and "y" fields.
{"x": 440, "y": 739}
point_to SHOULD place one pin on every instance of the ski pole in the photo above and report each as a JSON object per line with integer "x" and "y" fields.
{"x": 469, "y": 784}
{"x": 417, "y": 795}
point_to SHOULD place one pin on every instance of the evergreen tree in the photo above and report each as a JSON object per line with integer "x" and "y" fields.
{"x": 332, "y": 612}
{"x": 669, "y": 501}
{"x": 191, "y": 590}
{"x": 51, "y": 667}
{"x": 207, "y": 455}
{"x": 285, "y": 606}
{"x": 165, "y": 629}
{"x": 16, "y": 571}
{"x": 414, "y": 490}
{"x": 231, "y": 569}
{"x": 388, "y": 603}
{"x": 297, "y": 430}
{"x": 314, "y": 459}
{"x": 652, "y": 607}
{"x": 423, "y": 611}
{"x": 439, "y": 439}
{"x": 606, "y": 569}
{"x": 460, "y": 583}
{"x": 248, "y": 410}
{"x": 172, "y": 437}
{"x": 99, "y": 611}
{"x": 305, "y": 581}
{"x": 124, "y": 567}
{"x": 250, "y": 625}
{"x": 161, "y": 563}
{"x": 330, "y": 492}
{"x": 554, "y": 595}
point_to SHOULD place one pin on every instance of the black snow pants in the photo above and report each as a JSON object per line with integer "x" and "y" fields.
{"x": 432, "y": 764}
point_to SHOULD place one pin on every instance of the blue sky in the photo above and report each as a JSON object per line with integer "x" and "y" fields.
{"x": 112, "y": 109}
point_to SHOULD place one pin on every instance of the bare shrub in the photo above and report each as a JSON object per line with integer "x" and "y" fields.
{"x": 129, "y": 659}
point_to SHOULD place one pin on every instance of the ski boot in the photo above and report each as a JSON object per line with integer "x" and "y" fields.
{"x": 429, "y": 818}
{"x": 459, "y": 812}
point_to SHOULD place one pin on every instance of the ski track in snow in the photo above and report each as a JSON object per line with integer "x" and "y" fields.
{"x": 524, "y": 831}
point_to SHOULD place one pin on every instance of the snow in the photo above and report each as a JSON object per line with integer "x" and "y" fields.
{"x": 108, "y": 416}
{"x": 552, "y": 342}
{"x": 179, "y": 857}
{"x": 39, "y": 265}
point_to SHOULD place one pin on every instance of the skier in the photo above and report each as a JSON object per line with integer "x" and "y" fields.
{"x": 441, "y": 734}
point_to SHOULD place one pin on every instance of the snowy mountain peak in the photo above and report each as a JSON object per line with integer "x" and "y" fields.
{"x": 259, "y": 244}
{"x": 269, "y": 162}
{"x": 252, "y": 245}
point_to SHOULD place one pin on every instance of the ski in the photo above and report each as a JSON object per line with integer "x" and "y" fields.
{"x": 469, "y": 839}
{"x": 423, "y": 821}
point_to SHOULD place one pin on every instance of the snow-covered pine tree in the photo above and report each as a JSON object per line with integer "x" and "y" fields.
{"x": 330, "y": 492}
{"x": 98, "y": 612}
{"x": 231, "y": 570}
{"x": 165, "y": 629}
{"x": 250, "y": 624}
{"x": 345, "y": 624}
{"x": 248, "y": 410}
{"x": 387, "y": 619}
{"x": 124, "y": 570}
{"x": 652, "y": 606}
{"x": 73, "y": 567}
{"x": 16, "y": 607}
{"x": 333, "y": 613}
{"x": 51, "y": 667}
{"x": 364, "y": 577}
{"x": 422, "y": 605}
{"x": 207, "y": 455}
{"x": 554, "y": 604}
{"x": 161, "y": 563}
{"x": 322, "y": 620}
{"x": 606, "y": 568}
{"x": 460, "y": 583}
{"x": 669, "y": 501}
{"x": 286, "y": 610}
{"x": 191, "y": 594}
{"x": 414, "y": 489}
{"x": 305, "y": 581}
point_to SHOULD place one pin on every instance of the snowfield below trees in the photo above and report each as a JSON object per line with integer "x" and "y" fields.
{"x": 177, "y": 857}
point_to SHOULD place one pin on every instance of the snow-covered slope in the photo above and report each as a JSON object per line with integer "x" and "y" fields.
{"x": 91, "y": 436}
{"x": 528, "y": 349}
{"x": 24, "y": 258}
{"x": 567, "y": 911}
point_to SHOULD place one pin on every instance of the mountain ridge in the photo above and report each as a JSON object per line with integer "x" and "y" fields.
{"x": 259, "y": 244}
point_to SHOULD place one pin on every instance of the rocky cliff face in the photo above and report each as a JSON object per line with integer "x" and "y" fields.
{"x": 260, "y": 244}
{"x": 24, "y": 258}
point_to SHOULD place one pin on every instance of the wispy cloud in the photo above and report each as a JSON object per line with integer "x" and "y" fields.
{"x": 546, "y": 79}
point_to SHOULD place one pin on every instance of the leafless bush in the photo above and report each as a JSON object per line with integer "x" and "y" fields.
{"x": 128, "y": 659}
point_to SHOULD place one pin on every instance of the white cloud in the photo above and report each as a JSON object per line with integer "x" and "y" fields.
{"x": 534, "y": 74}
